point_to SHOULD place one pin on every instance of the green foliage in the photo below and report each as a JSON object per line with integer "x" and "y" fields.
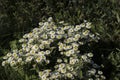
{"x": 8, "y": 73}
{"x": 18, "y": 17}
{"x": 114, "y": 59}
{"x": 13, "y": 44}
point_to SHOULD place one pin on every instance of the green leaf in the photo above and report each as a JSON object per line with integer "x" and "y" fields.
{"x": 26, "y": 77}
{"x": 13, "y": 44}
{"x": 81, "y": 74}
{"x": 118, "y": 18}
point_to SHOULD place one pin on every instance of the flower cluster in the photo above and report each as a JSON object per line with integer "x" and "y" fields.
{"x": 54, "y": 50}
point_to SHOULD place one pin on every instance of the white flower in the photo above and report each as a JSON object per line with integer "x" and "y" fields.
{"x": 68, "y": 67}
{"x": 25, "y": 36}
{"x": 43, "y": 57}
{"x": 5, "y": 57}
{"x": 32, "y": 52}
{"x": 10, "y": 59}
{"x": 62, "y": 65}
{"x": 75, "y": 39}
{"x": 45, "y": 42}
{"x": 50, "y": 40}
{"x": 61, "y": 22}
{"x": 27, "y": 49}
{"x": 40, "y": 74}
{"x": 69, "y": 75}
{"x": 50, "y": 19}
{"x": 77, "y": 36}
{"x": 97, "y": 79}
{"x": 24, "y": 45}
{"x": 36, "y": 36}
{"x": 82, "y": 25}
{"x": 59, "y": 36}
{"x": 92, "y": 71}
{"x": 42, "y": 52}
{"x": 59, "y": 60}
{"x": 66, "y": 27}
{"x": 60, "y": 32}
{"x": 97, "y": 76}
{"x": 100, "y": 72}
{"x": 84, "y": 57}
{"x": 71, "y": 51}
{"x": 90, "y": 55}
{"x": 75, "y": 48}
{"x": 20, "y": 60}
{"x": 70, "y": 34}
{"x": 41, "y": 46}
{"x": 12, "y": 63}
{"x": 44, "y": 77}
{"x": 77, "y": 27}
{"x": 62, "y": 53}
{"x": 3, "y": 63}
{"x": 81, "y": 43}
{"x": 63, "y": 70}
{"x": 69, "y": 40}
{"x": 103, "y": 77}
{"x": 9, "y": 54}
{"x": 40, "y": 23}
{"x": 85, "y": 33}
{"x": 54, "y": 27}
{"x": 45, "y": 25}
{"x": 52, "y": 36}
{"x": 15, "y": 51}
{"x": 88, "y": 25}
{"x": 68, "y": 47}
{"x": 14, "y": 54}
{"x": 92, "y": 35}
{"x": 61, "y": 47}
{"x": 38, "y": 59}
{"x": 28, "y": 59}
{"x": 71, "y": 30}
{"x": 47, "y": 61}
{"x": 44, "y": 36}
{"x": 75, "y": 45}
{"x": 21, "y": 40}
{"x": 67, "y": 53}
{"x": 52, "y": 32}
{"x": 47, "y": 52}
{"x": 29, "y": 35}
{"x": 29, "y": 45}
{"x": 90, "y": 79}
{"x": 72, "y": 61}
{"x": 53, "y": 76}
{"x": 35, "y": 47}
{"x": 35, "y": 30}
